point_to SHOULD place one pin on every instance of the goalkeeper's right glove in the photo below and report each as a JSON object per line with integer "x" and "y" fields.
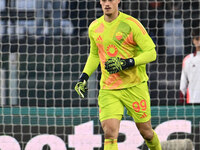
{"x": 81, "y": 85}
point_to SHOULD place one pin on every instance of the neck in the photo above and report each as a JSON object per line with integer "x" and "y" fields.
{"x": 110, "y": 18}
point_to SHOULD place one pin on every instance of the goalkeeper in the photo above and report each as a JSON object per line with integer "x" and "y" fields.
{"x": 123, "y": 48}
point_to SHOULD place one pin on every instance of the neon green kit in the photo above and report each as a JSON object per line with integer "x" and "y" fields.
{"x": 124, "y": 37}
{"x": 120, "y": 38}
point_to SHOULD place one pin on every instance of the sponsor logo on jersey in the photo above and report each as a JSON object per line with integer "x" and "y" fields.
{"x": 119, "y": 35}
{"x": 112, "y": 50}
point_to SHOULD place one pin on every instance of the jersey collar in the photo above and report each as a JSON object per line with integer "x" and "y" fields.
{"x": 110, "y": 23}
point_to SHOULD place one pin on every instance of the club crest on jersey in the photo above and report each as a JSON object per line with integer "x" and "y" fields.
{"x": 118, "y": 36}
{"x": 112, "y": 50}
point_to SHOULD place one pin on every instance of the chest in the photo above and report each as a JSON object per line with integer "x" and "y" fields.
{"x": 112, "y": 33}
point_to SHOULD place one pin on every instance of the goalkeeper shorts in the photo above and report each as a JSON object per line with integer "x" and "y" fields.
{"x": 135, "y": 99}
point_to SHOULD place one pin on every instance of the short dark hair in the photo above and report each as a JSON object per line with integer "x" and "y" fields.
{"x": 196, "y": 32}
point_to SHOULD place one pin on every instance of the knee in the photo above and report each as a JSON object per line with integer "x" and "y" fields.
{"x": 147, "y": 134}
{"x": 110, "y": 132}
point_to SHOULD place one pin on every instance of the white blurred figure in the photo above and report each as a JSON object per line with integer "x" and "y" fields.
{"x": 190, "y": 83}
{"x": 49, "y": 12}
{"x": 174, "y": 37}
{"x": 174, "y": 31}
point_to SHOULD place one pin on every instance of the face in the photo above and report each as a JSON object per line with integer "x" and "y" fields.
{"x": 196, "y": 42}
{"x": 109, "y": 7}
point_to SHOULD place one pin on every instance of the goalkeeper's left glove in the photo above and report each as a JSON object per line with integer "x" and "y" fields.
{"x": 81, "y": 86}
{"x": 116, "y": 64}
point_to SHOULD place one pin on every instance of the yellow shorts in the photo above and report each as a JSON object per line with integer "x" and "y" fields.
{"x": 136, "y": 99}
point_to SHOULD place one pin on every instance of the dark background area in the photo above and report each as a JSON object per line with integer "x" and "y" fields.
{"x": 49, "y": 64}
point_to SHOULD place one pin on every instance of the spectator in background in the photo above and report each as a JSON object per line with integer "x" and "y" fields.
{"x": 156, "y": 19}
{"x": 41, "y": 7}
{"x": 49, "y": 13}
{"x": 56, "y": 15}
{"x": 190, "y": 83}
{"x": 191, "y": 15}
{"x": 174, "y": 30}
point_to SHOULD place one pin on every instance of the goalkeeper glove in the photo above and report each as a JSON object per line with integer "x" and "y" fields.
{"x": 116, "y": 64}
{"x": 81, "y": 86}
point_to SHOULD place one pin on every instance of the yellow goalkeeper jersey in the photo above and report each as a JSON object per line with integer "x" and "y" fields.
{"x": 124, "y": 37}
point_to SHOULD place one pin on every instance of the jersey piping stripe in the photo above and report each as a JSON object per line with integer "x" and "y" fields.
{"x": 138, "y": 24}
{"x": 188, "y": 96}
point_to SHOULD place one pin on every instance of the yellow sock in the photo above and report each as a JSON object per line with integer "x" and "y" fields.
{"x": 110, "y": 144}
{"x": 154, "y": 144}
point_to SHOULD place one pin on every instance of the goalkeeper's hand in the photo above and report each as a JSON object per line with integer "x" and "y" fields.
{"x": 116, "y": 64}
{"x": 81, "y": 85}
